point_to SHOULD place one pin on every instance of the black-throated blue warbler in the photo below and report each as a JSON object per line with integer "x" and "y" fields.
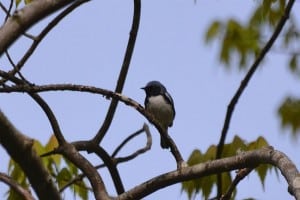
{"x": 159, "y": 103}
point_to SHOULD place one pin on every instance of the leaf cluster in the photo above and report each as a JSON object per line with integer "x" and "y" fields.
{"x": 289, "y": 113}
{"x": 205, "y": 185}
{"x": 243, "y": 41}
{"x": 61, "y": 169}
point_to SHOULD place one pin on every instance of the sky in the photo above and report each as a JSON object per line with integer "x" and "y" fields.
{"x": 88, "y": 46}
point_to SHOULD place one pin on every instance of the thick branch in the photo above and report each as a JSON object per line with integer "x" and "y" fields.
{"x": 244, "y": 160}
{"x": 17, "y": 145}
{"x": 23, "y": 19}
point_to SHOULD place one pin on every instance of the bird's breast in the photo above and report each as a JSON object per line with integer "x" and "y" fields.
{"x": 161, "y": 109}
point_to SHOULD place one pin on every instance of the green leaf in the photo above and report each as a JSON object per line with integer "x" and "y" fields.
{"x": 294, "y": 63}
{"x": 257, "y": 144}
{"x": 226, "y": 180}
{"x": 213, "y": 31}
{"x": 195, "y": 158}
{"x": 17, "y": 174}
{"x": 52, "y": 144}
{"x": 27, "y": 1}
{"x": 71, "y": 167}
{"x": 63, "y": 177}
{"x": 13, "y": 195}
{"x": 81, "y": 189}
{"x": 38, "y": 147}
{"x": 289, "y": 112}
{"x": 266, "y": 6}
{"x": 17, "y": 3}
{"x": 210, "y": 153}
{"x": 205, "y": 185}
{"x": 262, "y": 173}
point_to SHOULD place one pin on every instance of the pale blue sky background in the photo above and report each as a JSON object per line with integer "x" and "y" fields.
{"x": 88, "y": 48}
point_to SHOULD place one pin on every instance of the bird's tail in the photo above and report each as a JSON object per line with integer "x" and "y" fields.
{"x": 163, "y": 143}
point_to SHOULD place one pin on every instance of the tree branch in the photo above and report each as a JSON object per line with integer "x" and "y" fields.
{"x": 244, "y": 160}
{"x": 39, "y": 100}
{"x": 25, "y": 194}
{"x": 100, "y": 192}
{"x": 137, "y": 152}
{"x": 112, "y": 168}
{"x": 244, "y": 83}
{"x": 107, "y": 94}
{"x": 241, "y": 174}
{"x": 41, "y": 36}
{"x": 115, "y": 160}
{"x": 17, "y": 145}
{"x": 23, "y": 19}
{"x": 123, "y": 73}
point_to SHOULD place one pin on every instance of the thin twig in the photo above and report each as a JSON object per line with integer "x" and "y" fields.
{"x": 45, "y": 107}
{"x": 241, "y": 174}
{"x": 139, "y": 151}
{"x": 51, "y": 117}
{"x": 16, "y": 69}
{"x": 116, "y": 151}
{"x": 9, "y": 9}
{"x": 41, "y": 36}
{"x": 243, "y": 85}
{"x": 123, "y": 73}
{"x": 4, "y": 9}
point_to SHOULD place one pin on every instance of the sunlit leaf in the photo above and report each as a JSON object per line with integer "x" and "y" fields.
{"x": 257, "y": 144}
{"x": 13, "y": 195}
{"x": 195, "y": 158}
{"x": 27, "y": 2}
{"x": 17, "y": 3}
{"x": 262, "y": 173}
{"x": 204, "y": 186}
{"x": 52, "y": 144}
{"x": 212, "y": 31}
{"x": 81, "y": 189}
{"x": 63, "y": 177}
{"x": 38, "y": 147}
{"x": 210, "y": 153}
{"x": 17, "y": 174}
{"x": 72, "y": 168}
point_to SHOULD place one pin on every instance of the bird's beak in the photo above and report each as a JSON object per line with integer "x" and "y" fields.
{"x": 143, "y": 88}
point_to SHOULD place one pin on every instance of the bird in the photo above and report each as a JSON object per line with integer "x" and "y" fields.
{"x": 159, "y": 103}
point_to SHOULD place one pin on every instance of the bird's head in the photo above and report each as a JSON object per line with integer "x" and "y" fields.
{"x": 154, "y": 88}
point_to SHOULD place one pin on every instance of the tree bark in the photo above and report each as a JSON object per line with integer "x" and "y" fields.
{"x": 20, "y": 148}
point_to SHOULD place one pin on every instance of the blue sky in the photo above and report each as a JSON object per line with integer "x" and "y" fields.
{"x": 88, "y": 48}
